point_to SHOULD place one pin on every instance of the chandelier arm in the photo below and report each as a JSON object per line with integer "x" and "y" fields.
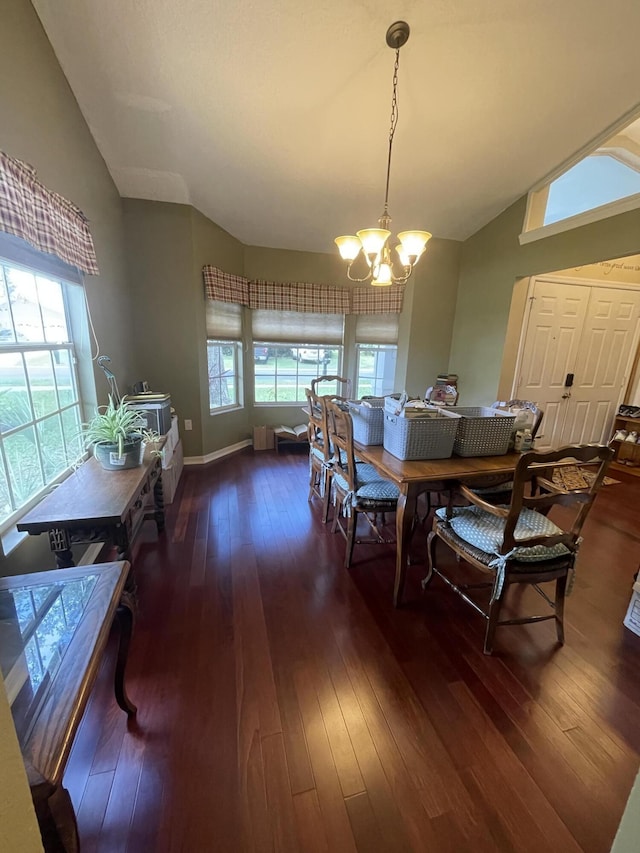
{"x": 352, "y": 278}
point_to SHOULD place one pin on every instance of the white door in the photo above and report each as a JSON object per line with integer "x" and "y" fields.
{"x": 586, "y": 331}
{"x": 602, "y": 364}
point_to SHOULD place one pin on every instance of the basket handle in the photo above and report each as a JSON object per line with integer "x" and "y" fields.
{"x": 391, "y": 418}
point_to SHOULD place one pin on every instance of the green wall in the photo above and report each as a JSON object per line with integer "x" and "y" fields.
{"x": 491, "y": 262}
{"x": 42, "y": 124}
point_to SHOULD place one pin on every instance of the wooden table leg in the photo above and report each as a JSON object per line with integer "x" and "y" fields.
{"x": 125, "y": 618}
{"x": 158, "y": 502}
{"x": 64, "y": 820}
{"x": 60, "y": 544}
{"x": 404, "y": 528}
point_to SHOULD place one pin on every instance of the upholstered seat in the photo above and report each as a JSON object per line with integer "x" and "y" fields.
{"x": 357, "y": 488}
{"x": 518, "y": 543}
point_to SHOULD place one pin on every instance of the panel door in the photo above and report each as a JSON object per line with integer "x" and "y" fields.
{"x": 602, "y": 362}
{"x": 552, "y": 342}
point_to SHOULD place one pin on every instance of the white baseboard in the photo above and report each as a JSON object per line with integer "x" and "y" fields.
{"x": 218, "y": 454}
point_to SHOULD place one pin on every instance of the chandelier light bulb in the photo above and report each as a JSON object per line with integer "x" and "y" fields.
{"x": 383, "y": 275}
{"x": 373, "y": 239}
{"x": 414, "y": 242}
{"x": 349, "y": 246}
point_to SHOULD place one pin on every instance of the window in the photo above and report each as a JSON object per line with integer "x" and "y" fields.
{"x": 223, "y": 358}
{"x": 376, "y": 370}
{"x": 224, "y": 354}
{"x": 290, "y": 369}
{"x": 376, "y": 350}
{"x": 301, "y": 346}
{"x": 39, "y": 397}
{"x": 604, "y": 182}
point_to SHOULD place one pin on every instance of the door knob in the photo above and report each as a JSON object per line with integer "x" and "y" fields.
{"x": 565, "y": 396}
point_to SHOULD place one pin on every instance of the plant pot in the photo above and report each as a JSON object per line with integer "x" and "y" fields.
{"x": 108, "y": 456}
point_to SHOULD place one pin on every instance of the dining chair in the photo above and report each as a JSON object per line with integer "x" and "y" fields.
{"x": 320, "y": 452}
{"x": 357, "y": 488}
{"x": 519, "y": 544}
{"x": 497, "y": 488}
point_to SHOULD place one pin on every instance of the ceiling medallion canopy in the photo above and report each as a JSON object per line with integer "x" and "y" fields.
{"x": 373, "y": 243}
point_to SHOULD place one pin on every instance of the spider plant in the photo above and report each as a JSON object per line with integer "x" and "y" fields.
{"x": 115, "y": 425}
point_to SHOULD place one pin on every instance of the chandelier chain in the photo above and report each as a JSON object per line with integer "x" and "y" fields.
{"x": 392, "y": 127}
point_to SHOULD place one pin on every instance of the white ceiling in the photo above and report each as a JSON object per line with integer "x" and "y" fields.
{"x": 272, "y": 116}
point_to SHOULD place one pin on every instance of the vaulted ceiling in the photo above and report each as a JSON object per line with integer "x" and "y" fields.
{"x": 272, "y": 116}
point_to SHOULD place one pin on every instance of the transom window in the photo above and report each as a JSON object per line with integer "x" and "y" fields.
{"x": 39, "y": 397}
{"x": 604, "y": 182}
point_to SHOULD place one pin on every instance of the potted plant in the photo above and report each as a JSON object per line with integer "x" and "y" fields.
{"x": 116, "y": 435}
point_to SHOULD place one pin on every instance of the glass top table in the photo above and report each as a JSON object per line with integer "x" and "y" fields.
{"x": 54, "y": 627}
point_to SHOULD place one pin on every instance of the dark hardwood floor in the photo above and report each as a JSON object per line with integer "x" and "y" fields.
{"x": 285, "y": 705}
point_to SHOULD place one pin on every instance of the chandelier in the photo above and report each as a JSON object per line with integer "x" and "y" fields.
{"x": 374, "y": 242}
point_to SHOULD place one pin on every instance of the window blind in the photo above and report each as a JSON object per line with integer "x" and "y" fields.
{"x": 224, "y": 320}
{"x": 296, "y": 327}
{"x": 377, "y": 328}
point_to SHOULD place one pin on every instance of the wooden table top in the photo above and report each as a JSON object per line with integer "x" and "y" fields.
{"x": 68, "y": 612}
{"x": 91, "y": 494}
{"x": 431, "y": 470}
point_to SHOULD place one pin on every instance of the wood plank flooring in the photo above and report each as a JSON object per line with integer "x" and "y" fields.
{"x": 285, "y": 705}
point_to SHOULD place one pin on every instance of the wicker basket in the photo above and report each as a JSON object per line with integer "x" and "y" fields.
{"x": 368, "y": 421}
{"x": 482, "y": 431}
{"x": 429, "y": 436}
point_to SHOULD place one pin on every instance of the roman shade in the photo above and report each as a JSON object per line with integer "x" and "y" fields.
{"x": 298, "y": 326}
{"x": 224, "y": 320}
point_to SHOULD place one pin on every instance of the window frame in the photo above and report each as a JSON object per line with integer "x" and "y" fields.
{"x": 25, "y": 259}
{"x": 538, "y": 194}
{"x": 238, "y": 374}
{"x": 362, "y": 346}
{"x": 321, "y": 369}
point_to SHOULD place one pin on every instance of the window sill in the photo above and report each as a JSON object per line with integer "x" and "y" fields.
{"x": 288, "y": 404}
{"x": 594, "y": 215}
{"x": 225, "y": 410}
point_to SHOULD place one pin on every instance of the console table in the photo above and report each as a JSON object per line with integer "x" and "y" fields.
{"x": 53, "y": 629}
{"x": 95, "y": 505}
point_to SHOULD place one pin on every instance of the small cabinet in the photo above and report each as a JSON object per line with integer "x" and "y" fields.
{"x": 627, "y": 453}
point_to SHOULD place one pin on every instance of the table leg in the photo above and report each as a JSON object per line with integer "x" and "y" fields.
{"x": 60, "y": 544}
{"x": 64, "y": 820}
{"x": 158, "y": 501}
{"x": 125, "y": 617}
{"x": 405, "y": 514}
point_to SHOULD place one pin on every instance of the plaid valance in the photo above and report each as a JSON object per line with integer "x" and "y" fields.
{"x": 301, "y": 296}
{"x": 42, "y": 218}
{"x": 225, "y": 286}
{"x": 298, "y": 296}
{"x": 377, "y": 300}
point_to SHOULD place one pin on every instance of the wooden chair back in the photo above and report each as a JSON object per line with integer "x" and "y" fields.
{"x": 340, "y": 428}
{"x": 343, "y": 386}
{"x": 317, "y": 426}
{"x": 511, "y": 405}
{"x": 533, "y": 487}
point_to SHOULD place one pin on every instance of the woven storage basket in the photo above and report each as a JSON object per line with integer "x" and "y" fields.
{"x": 482, "y": 431}
{"x": 368, "y": 421}
{"x": 430, "y": 436}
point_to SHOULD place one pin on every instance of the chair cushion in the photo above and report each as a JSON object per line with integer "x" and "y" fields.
{"x": 315, "y": 451}
{"x": 377, "y": 494}
{"x": 486, "y": 532}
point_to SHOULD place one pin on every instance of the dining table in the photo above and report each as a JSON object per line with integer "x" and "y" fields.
{"x": 416, "y": 476}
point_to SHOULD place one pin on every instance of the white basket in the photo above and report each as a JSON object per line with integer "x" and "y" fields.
{"x": 368, "y": 421}
{"x": 632, "y": 619}
{"x": 482, "y": 431}
{"x": 429, "y": 436}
